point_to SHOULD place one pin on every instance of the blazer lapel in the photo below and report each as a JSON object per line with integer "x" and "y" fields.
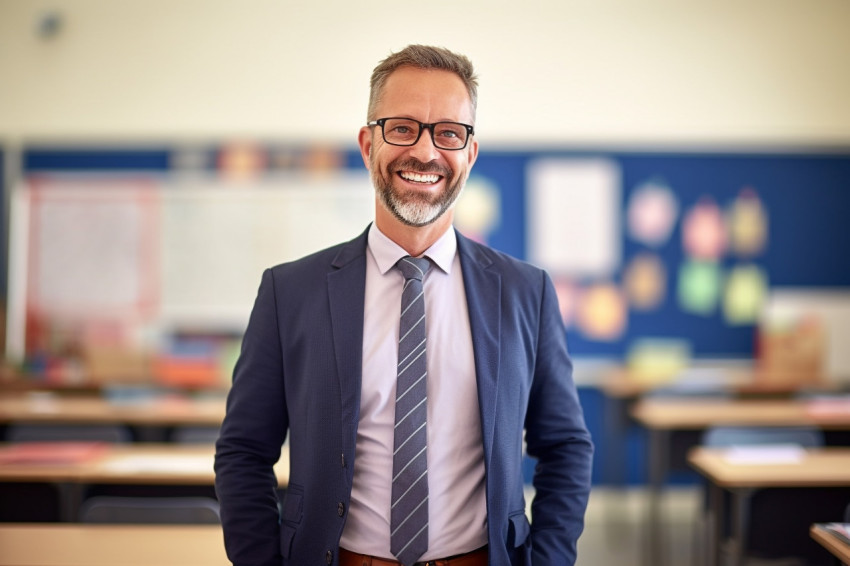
{"x": 346, "y": 295}
{"x": 483, "y": 298}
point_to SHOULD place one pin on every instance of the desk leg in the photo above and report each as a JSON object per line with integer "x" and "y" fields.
{"x": 615, "y": 462}
{"x": 740, "y": 525}
{"x": 659, "y": 464}
{"x": 70, "y": 500}
{"x": 715, "y": 524}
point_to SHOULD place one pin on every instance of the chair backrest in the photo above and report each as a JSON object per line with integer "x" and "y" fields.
{"x": 195, "y": 434}
{"x": 40, "y": 432}
{"x": 150, "y": 510}
{"x": 720, "y": 436}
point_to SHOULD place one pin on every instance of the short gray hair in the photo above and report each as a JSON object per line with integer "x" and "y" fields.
{"x": 422, "y": 57}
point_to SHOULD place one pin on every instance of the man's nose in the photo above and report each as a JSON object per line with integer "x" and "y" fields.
{"x": 424, "y": 148}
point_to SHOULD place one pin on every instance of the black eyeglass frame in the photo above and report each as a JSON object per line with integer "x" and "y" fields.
{"x": 470, "y": 131}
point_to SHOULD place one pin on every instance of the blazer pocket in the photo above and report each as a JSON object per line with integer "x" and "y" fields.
{"x": 518, "y": 529}
{"x": 290, "y": 517}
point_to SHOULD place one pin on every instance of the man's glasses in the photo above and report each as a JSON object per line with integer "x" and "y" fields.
{"x": 406, "y": 131}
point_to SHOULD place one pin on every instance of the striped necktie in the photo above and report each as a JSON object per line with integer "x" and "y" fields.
{"x": 409, "y": 512}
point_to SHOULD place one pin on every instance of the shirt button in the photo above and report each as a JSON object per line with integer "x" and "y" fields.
{"x": 342, "y": 459}
{"x": 329, "y": 557}
{"x": 340, "y": 509}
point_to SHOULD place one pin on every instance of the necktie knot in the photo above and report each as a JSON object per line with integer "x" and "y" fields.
{"x": 413, "y": 267}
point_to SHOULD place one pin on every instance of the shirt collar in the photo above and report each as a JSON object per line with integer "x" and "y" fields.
{"x": 387, "y": 253}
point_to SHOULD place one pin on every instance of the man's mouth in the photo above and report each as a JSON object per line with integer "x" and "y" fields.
{"x": 424, "y": 178}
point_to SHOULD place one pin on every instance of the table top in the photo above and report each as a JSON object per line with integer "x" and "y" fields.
{"x": 108, "y": 545}
{"x": 138, "y": 463}
{"x": 624, "y": 382}
{"x": 44, "y": 407}
{"x": 683, "y": 414}
{"x": 839, "y": 548}
{"x": 761, "y": 467}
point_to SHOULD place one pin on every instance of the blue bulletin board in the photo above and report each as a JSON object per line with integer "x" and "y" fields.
{"x": 806, "y": 196}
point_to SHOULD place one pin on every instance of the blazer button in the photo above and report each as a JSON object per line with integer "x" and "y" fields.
{"x": 329, "y": 557}
{"x": 340, "y": 509}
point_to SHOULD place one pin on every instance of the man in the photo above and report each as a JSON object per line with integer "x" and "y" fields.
{"x": 429, "y": 469}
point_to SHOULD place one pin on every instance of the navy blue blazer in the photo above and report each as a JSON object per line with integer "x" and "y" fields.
{"x": 299, "y": 374}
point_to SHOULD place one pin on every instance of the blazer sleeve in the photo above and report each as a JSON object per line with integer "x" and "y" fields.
{"x": 249, "y": 444}
{"x": 557, "y": 437}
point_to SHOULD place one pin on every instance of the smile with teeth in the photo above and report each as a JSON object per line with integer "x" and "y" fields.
{"x": 427, "y": 178}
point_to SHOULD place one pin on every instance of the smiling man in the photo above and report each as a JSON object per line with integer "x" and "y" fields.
{"x": 405, "y": 367}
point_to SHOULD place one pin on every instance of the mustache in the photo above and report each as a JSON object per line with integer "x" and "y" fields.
{"x": 413, "y": 164}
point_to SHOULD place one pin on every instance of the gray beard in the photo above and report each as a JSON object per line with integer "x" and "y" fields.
{"x": 415, "y": 210}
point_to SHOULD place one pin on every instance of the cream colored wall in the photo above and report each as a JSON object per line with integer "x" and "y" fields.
{"x": 553, "y": 72}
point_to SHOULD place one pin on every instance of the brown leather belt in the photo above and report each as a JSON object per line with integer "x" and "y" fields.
{"x": 474, "y": 558}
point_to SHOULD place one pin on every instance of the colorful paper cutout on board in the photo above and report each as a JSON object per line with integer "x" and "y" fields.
{"x": 241, "y": 161}
{"x": 747, "y": 224}
{"x": 601, "y": 313}
{"x": 656, "y": 360}
{"x": 478, "y": 210}
{"x": 704, "y": 231}
{"x": 699, "y": 287}
{"x": 746, "y": 291}
{"x": 652, "y": 213}
{"x": 645, "y": 281}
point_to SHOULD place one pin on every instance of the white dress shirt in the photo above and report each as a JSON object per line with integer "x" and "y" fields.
{"x": 457, "y": 506}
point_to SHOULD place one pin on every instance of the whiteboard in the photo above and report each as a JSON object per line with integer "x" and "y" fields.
{"x": 165, "y": 252}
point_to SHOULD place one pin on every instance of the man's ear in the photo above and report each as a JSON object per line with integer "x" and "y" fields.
{"x": 364, "y": 140}
{"x": 473, "y": 152}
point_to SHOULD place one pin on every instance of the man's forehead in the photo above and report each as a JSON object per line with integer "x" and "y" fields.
{"x": 441, "y": 90}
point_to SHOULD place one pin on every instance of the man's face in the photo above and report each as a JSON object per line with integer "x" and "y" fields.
{"x": 418, "y": 184}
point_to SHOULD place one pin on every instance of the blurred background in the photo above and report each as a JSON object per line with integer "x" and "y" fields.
{"x": 681, "y": 169}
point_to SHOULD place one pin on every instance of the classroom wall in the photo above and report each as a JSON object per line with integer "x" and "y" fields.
{"x": 555, "y": 75}
{"x": 553, "y": 72}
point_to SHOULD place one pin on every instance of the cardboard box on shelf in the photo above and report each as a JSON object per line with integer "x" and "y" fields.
{"x": 793, "y": 352}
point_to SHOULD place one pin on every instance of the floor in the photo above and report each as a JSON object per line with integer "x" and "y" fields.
{"x": 615, "y": 526}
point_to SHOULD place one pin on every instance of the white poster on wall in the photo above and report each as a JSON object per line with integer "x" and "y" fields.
{"x": 573, "y": 216}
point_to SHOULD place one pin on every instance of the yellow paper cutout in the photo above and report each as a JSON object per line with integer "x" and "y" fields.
{"x": 748, "y": 224}
{"x": 746, "y": 290}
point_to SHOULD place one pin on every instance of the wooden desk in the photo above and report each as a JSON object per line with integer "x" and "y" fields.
{"x": 108, "y": 545}
{"x": 132, "y": 464}
{"x": 623, "y": 387}
{"x": 144, "y": 464}
{"x": 826, "y": 467}
{"x": 663, "y": 417}
{"x": 156, "y": 411}
{"x": 837, "y": 547}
